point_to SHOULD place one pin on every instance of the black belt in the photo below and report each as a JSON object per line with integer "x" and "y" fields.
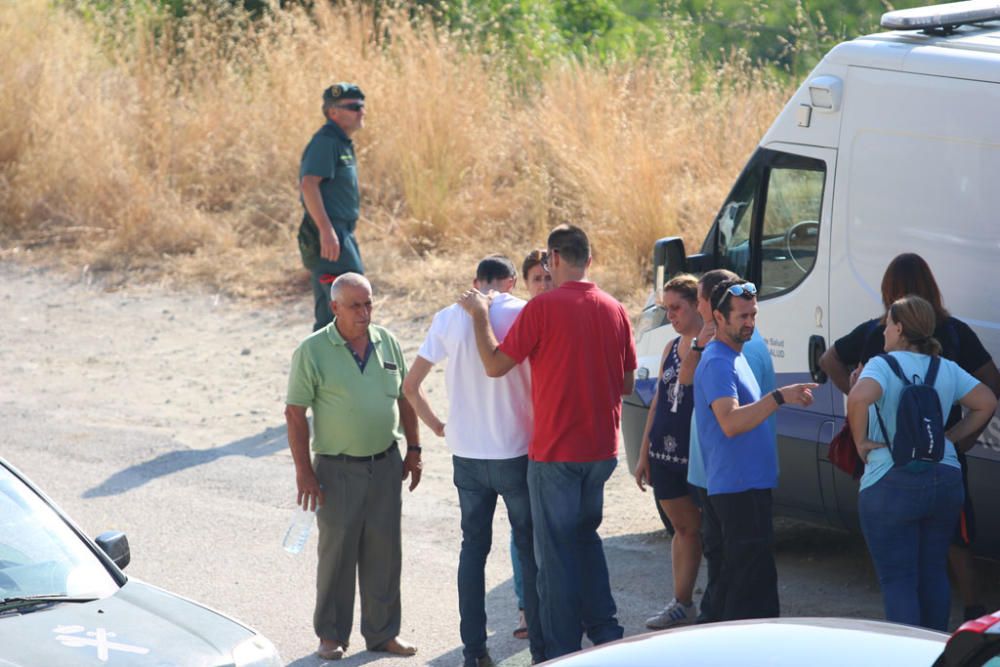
{"x": 359, "y": 459}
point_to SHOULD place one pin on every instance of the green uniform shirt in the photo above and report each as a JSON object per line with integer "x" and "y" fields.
{"x": 330, "y": 155}
{"x": 354, "y": 413}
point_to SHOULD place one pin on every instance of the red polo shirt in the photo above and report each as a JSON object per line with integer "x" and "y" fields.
{"x": 578, "y": 340}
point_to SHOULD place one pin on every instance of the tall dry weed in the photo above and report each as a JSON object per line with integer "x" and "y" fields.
{"x": 134, "y": 142}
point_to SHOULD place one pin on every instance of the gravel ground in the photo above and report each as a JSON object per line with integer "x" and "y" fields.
{"x": 160, "y": 414}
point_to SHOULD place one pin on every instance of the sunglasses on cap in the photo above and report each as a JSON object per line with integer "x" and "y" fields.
{"x": 354, "y": 106}
{"x": 746, "y": 290}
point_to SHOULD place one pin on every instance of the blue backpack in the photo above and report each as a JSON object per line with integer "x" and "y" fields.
{"x": 919, "y": 438}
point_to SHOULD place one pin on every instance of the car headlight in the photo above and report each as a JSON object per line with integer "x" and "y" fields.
{"x": 257, "y": 651}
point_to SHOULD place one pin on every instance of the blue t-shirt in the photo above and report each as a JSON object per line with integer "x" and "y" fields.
{"x": 952, "y": 384}
{"x": 759, "y": 358}
{"x": 748, "y": 460}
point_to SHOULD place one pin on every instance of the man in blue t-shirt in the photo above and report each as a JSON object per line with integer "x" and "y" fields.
{"x": 759, "y": 358}
{"x": 737, "y": 445}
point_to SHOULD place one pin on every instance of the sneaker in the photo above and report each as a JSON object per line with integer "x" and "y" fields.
{"x": 673, "y": 614}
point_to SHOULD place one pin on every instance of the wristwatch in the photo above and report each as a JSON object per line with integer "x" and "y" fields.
{"x": 414, "y": 448}
{"x": 778, "y": 398}
{"x": 695, "y": 346}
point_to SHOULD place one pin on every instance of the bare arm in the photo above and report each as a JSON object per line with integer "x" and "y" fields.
{"x": 496, "y": 363}
{"x": 310, "y": 495}
{"x": 642, "y": 465}
{"x": 864, "y": 392}
{"x": 414, "y": 392}
{"x": 735, "y": 419}
{"x": 989, "y": 376}
{"x": 629, "y": 384}
{"x": 329, "y": 245}
{"x": 412, "y": 466}
{"x": 837, "y": 371}
{"x": 689, "y": 362}
{"x": 980, "y": 404}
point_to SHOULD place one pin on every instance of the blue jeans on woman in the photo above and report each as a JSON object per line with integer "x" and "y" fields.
{"x": 574, "y": 590}
{"x": 908, "y": 519}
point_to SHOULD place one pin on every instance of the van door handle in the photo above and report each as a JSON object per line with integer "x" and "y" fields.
{"x": 817, "y": 346}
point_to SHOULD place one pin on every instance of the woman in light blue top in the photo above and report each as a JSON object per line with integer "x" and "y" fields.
{"x": 908, "y": 514}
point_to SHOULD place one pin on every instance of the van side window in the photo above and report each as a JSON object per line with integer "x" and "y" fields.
{"x": 790, "y": 231}
{"x": 734, "y": 226}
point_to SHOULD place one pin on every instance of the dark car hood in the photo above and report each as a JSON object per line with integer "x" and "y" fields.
{"x": 138, "y": 625}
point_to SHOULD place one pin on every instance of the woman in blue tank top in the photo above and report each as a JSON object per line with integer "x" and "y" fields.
{"x": 663, "y": 459}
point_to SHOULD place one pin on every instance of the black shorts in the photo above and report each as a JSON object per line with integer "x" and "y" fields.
{"x": 965, "y": 531}
{"x": 669, "y": 483}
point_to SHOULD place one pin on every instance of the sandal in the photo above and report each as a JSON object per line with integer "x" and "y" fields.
{"x": 521, "y": 632}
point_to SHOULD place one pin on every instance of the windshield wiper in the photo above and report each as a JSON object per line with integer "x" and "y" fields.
{"x": 28, "y": 600}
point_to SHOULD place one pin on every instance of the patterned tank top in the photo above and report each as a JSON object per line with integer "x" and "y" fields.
{"x": 670, "y": 433}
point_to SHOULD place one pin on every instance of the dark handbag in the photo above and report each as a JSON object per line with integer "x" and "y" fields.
{"x": 844, "y": 454}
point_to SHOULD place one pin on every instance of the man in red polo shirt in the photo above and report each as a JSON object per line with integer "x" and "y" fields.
{"x": 578, "y": 341}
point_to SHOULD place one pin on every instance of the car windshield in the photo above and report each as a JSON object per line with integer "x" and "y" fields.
{"x": 39, "y": 553}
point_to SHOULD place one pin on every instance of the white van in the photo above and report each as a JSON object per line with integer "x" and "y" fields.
{"x": 891, "y": 145}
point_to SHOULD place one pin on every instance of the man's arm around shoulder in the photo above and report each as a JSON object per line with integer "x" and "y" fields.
{"x": 496, "y": 363}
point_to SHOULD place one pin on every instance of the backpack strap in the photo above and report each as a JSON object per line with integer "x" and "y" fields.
{"x": 932, "y": 371}
{"x": 881, "y": 425}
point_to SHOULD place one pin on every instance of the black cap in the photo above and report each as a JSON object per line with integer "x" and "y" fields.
{"x": 342, "y": 91}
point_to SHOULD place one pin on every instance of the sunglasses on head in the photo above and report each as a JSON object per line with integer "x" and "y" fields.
{"x": 746, "y": 290}
{"x": 355, "y": 106}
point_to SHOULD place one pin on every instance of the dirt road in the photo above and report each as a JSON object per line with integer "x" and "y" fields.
{"x": 160, "y": 414}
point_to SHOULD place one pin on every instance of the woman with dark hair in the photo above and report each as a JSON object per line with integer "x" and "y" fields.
{"x": 663, "y": 459}
{"x": 908, "y": 511}
{"x": 908, "y": 273}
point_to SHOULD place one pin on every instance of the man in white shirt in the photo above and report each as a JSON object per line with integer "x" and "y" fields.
{"x": 488, "y": 432}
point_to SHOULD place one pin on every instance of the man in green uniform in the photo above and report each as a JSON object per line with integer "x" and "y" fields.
{"x": 328, "y": 179}
{"x": 350, "y": 374}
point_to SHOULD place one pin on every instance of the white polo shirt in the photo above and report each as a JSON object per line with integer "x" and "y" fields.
{"x": 488, "y": 418}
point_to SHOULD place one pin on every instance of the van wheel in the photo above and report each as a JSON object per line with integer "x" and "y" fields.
{"x": 664, "y": 518}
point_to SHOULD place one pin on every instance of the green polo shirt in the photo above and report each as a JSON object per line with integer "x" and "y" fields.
{"x": 330, "y": 155}
{"x": 354, "y": 412}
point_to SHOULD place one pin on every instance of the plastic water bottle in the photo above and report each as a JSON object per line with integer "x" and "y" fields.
{"x": 298, "y": 530}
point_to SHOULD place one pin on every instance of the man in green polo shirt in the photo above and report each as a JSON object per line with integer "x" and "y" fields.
{"x": 328, "y": 179}
{"x": 350, "y": 374}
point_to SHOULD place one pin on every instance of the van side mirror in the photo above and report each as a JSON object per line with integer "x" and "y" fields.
{"x": 669, "y": 259}
{"x": 115, "y": 545}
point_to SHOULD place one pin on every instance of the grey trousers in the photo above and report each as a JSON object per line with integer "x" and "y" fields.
{"x": 359, "y": 532}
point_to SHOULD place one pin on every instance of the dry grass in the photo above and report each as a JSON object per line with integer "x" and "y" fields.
{"x": 179, "y": 156}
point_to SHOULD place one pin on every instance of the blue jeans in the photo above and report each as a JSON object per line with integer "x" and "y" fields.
{"x": 515, "y": 563}
{"x": 908, "y": 519}
{"x": 567, "y": 505}
{"x": 479, "y": 483}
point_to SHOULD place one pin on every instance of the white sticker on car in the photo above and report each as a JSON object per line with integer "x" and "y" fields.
{"x": 77, "y": 636}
